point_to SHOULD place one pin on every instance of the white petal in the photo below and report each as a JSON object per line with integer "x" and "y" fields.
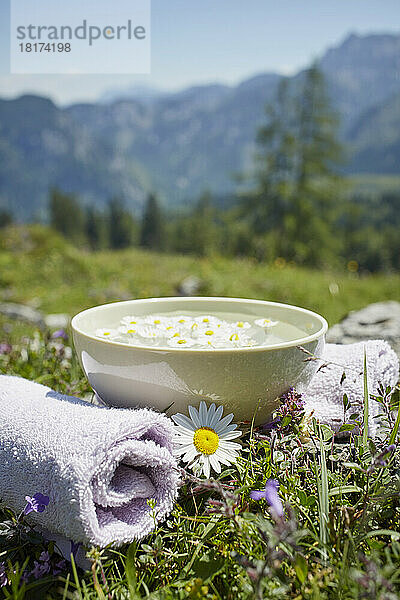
{"x": 219, "y": 428}
{"x": 182, "y": 431}
{"x": 230, "y": 427}
{"x": 229, "y": 446}
{"x": 216, "y": 417}
{"x": 203, "y": 413}
{"x": 182, "y": 449}
{"x": 190, "y": 454}
{"x": 230, "y": 435}
{"x": 211, "y": 413}
{"x": 215, "y": 464}
{"x": 225, "y": 459}
{"x": 184, "y": 421}
{"x": 206, "y": 465}
{"x": 194, "y": 415}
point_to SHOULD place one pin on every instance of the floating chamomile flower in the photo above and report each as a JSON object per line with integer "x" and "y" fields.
{"x": 148, "y": 332}
{"x": 129, "y": 330}
{"x": 176, "y": 341}
{"x": 131, "y": 320}
{"x": 204, "y": 439}
{"x": 242, "y": 325}
{"x": 265, "y": 323}
{"x": 106, "y": 333}
{"x": 155, "y": 321}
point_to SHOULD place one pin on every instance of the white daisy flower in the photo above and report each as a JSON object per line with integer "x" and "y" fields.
{"x": 180, "y": 342}
{"x": 204, "y": 439}
{"x": 148, "y": 332}
{"x": 265, "y": 323}
{"x": 156, "y": 321}
{"x": 107, "y": 333}
{"x": 131, "y": 320}
{"x": 207, "y": 320}
{"x": 129, "y": 330}
{"x": 242, "y": 325}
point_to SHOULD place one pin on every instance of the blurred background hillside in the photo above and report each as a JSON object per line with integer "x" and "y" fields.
{"x": 296, "y": 167}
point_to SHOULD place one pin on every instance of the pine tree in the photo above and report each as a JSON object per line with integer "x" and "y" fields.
{"x": 120, "y": 224}
{"x": 203, "y": 231}
{"x": 96, "y": 228}
{"x": 152, "y": 233}
{"x": 66, "y": 215}
{"x": 293, "y": 205}
{"x": 5, "y": 218}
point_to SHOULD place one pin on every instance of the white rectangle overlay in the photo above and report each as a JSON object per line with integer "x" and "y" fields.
{"x": 75, "y": 37}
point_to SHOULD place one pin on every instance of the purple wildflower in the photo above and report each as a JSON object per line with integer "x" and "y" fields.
{"x": 291, "y": 407}
{"x": 3, "y": 575}
{"x": 5, "y": 348}
{"x": 42, "y": 566}
{"x": 60, "y": 333}
{"x": 37, "y": 503}
{"x": 59, "y": 567}
{"x": 40, "y": 569}
{"x": 292, "y": 403}
{"x": 270, "y": 494}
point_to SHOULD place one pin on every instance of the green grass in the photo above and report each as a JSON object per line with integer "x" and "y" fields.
{"x": 339, "y": 538}
{"x": 340, "y": 535}
{"x": 39, "y": 267}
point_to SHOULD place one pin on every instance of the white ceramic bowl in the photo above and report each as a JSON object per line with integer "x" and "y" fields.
{"x": 247, "y": 381}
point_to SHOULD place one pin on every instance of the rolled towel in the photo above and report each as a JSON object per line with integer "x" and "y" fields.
{"x": 99, "y": 466}
{"x": 324, "y": 395}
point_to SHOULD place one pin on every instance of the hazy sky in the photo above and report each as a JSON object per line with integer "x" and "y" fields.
{"x": 199, "y": 41}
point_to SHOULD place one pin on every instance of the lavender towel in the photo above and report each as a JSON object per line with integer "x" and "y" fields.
{"x": 324, "y": 396}
{"x": 98, "y": 465}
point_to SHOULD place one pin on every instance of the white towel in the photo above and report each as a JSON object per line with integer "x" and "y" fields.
{"x": 98, "y": 465}
{"x": 324, "y": 395}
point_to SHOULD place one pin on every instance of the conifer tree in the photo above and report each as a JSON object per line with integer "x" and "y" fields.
{"x": 66, "y": 215}
{"x": 121, "y": 224}
{"x": 298, "y": 184}
{"x": 96, "y": 228}
{"x": 152, "y": 233}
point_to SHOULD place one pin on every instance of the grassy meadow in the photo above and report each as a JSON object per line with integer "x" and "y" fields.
{"x": 339, "y": 536}
{"x": 38, "y": 267}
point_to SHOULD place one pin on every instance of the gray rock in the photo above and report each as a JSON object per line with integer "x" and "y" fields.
{"x": 57, "y": 321}
{"x": 190, "y": 286}
{"x": 376, "y": 321}
{"x": 23, "y": 313}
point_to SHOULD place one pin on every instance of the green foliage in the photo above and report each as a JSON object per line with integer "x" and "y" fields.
{"x": 39, "y": 266}
{"x": 198, "y": 231}
{"x": 5, "y": 218}
{"x": 120, "y": 223}
{"x": 66, "y": 215}
{"x": 293, "y": 208}
{"x": 152, "y": 233}
{"x": 96, "y": 229}
{"x": 339, "y": 538}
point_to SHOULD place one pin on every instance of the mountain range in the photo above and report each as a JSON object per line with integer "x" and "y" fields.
{"x": 180, "y": 144}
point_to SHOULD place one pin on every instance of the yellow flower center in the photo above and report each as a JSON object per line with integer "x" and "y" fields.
{"x": 157, "y": 321}
{"x": 206, "y": 440}
{"x": 209, "y": 332}
{"x": 240, "y": 324}
{"x": 181, "y": 341}
{"x": 131, "y": 330}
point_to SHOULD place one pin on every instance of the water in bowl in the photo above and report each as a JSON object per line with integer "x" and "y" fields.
{"x": 191, "y": 329}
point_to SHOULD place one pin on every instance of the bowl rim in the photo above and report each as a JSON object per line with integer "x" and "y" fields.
{"x": 290, "y": 344}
